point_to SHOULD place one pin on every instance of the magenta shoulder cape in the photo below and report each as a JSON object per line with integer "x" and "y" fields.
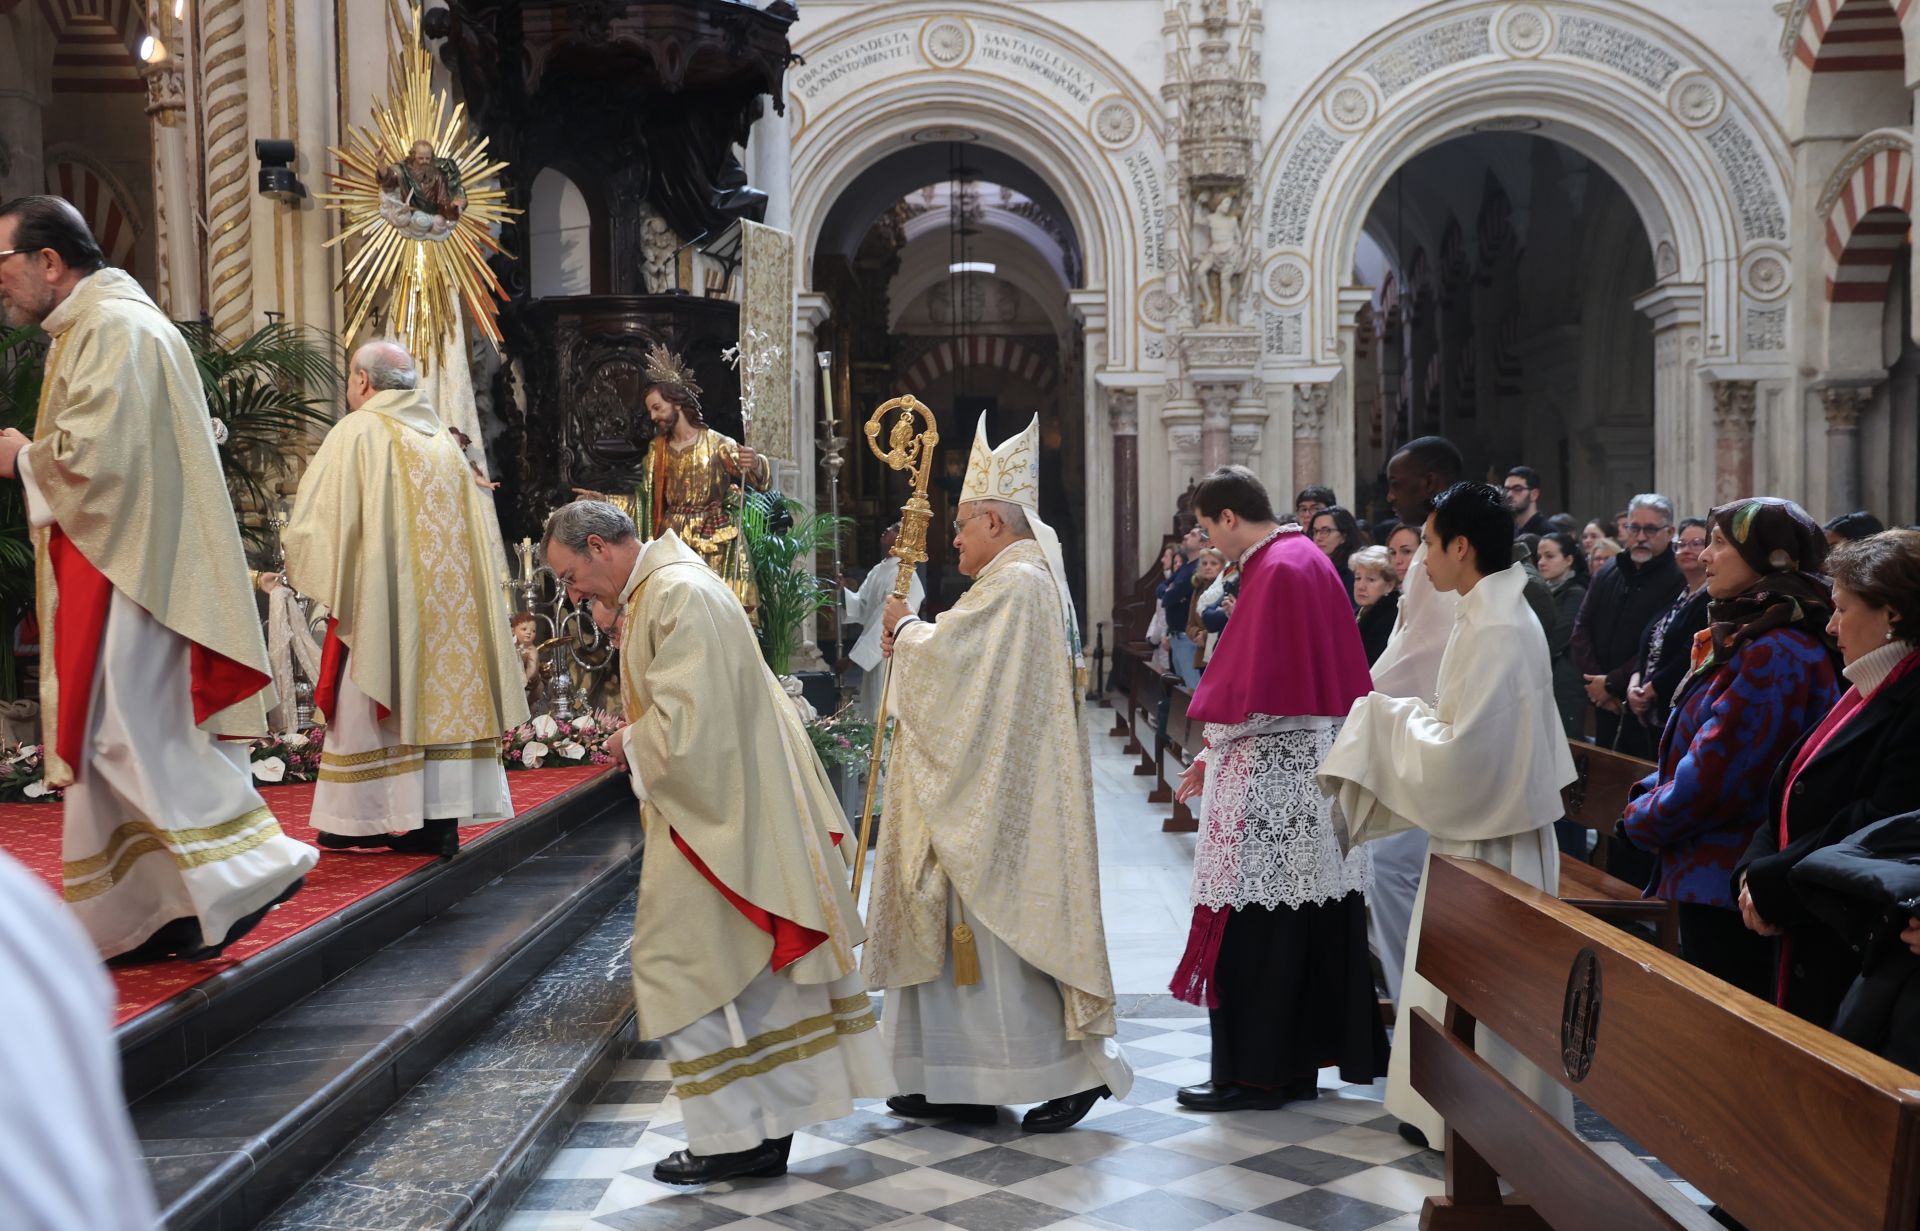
{"x": 1292, "y": 648}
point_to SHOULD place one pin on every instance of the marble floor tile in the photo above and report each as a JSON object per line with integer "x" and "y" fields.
{"x": 1080, "y": 1189}
{"x": 999, "y": 1167}
{"x": 835, "y": 1212}
{"x": 1389, "y": 1186}
{"x": 564, "y": 1194}
{"x": 1367, "y": 1144}
{"x": 1320, "y": 1210}
{"x": 1303, "y": 1166}
{"x": 757, "y": 1197}
{"x": 1163, "y": 1211}
{"x": 847, "y": 1168}
{"x": 1236, "y": 1187}
{"x": 1152, "y": 1164}
{"x": 921, "y": 1189}
{"x": 926, "y": 1146}
{"x": 999, "y": 1211}
{"x": 690, "y": 1214}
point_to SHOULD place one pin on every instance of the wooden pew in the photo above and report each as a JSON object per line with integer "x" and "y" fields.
{"x": 1596, "y": 799}
{"x": 1185, "y": 739}
{"x": 1786, "y": 1127}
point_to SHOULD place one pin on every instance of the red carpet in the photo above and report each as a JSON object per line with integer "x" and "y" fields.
{"x": 31, "y": 834}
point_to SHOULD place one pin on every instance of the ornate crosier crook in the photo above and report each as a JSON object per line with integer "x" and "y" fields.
{"x": 909, "y": 448}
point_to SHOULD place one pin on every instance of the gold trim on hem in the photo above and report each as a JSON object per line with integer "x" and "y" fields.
{"x": 479, "y": 750}
{"x": 758, "y": 1043}
{"x": 853, "y": 1004}
{"x": 152, "y": 838}
{"x": 779, "y": 1059}
{"x": 80, "y": 869}
{"x": 328, "y": 757}
{"x": 857, "y": 1025}
{"x": 412, "y": 765}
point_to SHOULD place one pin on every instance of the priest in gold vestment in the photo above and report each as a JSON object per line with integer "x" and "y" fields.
{"x": 743, "y": 939}
{"x": 988, "y": 858}
{"x": 419, "y": 677}
{"x": 150, "y": 647}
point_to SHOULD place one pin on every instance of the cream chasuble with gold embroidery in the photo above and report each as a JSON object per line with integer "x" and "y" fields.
{"x": 989, "y": 817}
{"x": 744, "y": 934}
{"x": 143, "y": 591}
{"x": 388, "y": 532}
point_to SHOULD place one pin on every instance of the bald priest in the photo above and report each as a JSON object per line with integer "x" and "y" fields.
{"x": 984, "y": 924}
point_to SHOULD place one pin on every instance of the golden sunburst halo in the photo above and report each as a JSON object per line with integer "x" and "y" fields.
{"x": 417, "y": 285}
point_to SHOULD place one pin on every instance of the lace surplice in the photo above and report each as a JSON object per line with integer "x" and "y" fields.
{"x": 1266, "y": 833}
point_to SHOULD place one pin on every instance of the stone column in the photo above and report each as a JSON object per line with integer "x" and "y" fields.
{"x": 810, "y": 311}
{"x": 25, "y": 44}
{"x": 222, "y": 59}
{"x": 1681, "y": 455}
{"x": 1843, "y": 404}
{"x": 770, "y": 164}
{"x": 1733, "y": 406}
{"x": 1309, "y": 419}
{"x": 1216, "y": 424}
{"x": 174, "y": 191}
{"x": 1123, "y": 408}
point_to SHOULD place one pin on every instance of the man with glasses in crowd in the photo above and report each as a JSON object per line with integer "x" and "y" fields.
{"x": 1643, "y": 582}
{"x": 1522, "y": 487}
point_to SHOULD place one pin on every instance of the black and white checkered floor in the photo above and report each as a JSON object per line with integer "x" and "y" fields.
{"x": 1334, "y": 1164}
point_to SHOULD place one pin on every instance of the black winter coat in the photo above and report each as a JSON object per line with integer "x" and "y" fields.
{"x": 1866, "y": 889}
{"x": 1868, "y": 771}
{"x": 1621, "y": 600}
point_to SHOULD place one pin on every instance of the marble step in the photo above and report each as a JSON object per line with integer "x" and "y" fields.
{"x": 457, "y": 1150}
{"x": 160, "y": 1045}
{"x": 233, "y": 1137}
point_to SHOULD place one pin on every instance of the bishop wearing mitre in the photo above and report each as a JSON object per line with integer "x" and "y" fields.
{"x": 150, "y": 649}
{"x": 1479, "y": 768}
{"x": 418, "y": 676}
{"x": 984, "y": 923}
{"x": 743, "y": 938}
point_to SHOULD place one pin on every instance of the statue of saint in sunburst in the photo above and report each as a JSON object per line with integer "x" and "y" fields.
{"x": 411, "y": 192}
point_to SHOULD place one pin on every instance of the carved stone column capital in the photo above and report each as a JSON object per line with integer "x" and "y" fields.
{"x": 166, "y": 93}
{"x": 1844, "y": 404}
{"x": 1309, "y": 410}
{"x": 1216, "y": 403}
{"x": 1733, "y": 406}
{"x": 1123, "y": 411}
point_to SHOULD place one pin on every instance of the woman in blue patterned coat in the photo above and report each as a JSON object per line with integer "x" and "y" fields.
{"x": 1763, "y": 674}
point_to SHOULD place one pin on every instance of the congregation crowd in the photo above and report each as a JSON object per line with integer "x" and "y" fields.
{"x": 1766, "y": 666}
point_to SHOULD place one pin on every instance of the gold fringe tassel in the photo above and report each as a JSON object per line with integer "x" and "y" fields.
{"x": 966, "y": 957}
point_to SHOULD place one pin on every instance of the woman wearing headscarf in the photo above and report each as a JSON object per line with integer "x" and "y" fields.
{"x": 1762, "y": 674}
{"x": 1855, "y": 769}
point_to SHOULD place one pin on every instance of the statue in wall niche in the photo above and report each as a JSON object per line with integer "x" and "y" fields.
{"x": 1221, "y": 270}
{"x": 421, "y": 196}
{"x": 658, "y": 248}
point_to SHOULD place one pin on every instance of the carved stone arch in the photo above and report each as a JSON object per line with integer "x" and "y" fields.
{"x": 1866, "y": 215}
{"x": 1703, "y": 162}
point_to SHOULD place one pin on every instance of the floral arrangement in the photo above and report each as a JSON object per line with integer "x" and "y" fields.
{"x": 844, "y": 738}
{"x": 293, "y": 757}
{"x": 544, "y": 740}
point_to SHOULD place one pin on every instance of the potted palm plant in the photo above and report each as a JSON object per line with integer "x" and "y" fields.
{"x": 265, "y": 394}
{"x": 779, "y": 534}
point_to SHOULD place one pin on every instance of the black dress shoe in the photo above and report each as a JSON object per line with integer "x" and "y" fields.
{"x": 166, "y": 942}
{"x": 1227, "y": 1096}
{"x": 916, "y": 1106}
{"x": 349, "y": 842}
{"x": 440, "y": 838}
{"x": 1413, "y": 1136}
{"x": 241, "y": 926}
{"x": 764, "y": 1161}
{"x": 1059, "y": 1114}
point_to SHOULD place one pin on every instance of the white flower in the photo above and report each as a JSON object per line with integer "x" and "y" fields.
{"x": 27, "y": 750}
{"x": 570, "y": 750}
{"x": 36, "y": 788}
{"x": 583, "y": 726}
{"x": 545, "y": 727}
{"x": 270, "y": 769}
{"x": 219, "y": 432}
{"x": 533, "y": 754}
{"x": 294, "y": 739}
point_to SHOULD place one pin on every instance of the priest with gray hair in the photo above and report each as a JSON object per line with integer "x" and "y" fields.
{"x": 419, "y": 677}
{"x": 984, "y": 923}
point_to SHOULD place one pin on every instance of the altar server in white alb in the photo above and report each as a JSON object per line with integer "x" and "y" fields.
{"x": 984, "y": 925}
{"x": 865, "y": 608}
{"x": 743, "y": 940}
{"x": 418, "y": 677}
{"x": 1480, "y": 769}
{"x": 150, "y": 645}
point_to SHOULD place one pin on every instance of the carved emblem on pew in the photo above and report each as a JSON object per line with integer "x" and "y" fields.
{"x": 1580, "y": 1016}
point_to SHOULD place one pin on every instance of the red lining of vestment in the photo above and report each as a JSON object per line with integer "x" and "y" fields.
{"x": 333, "y": 665}
{"x": 80, "y": 622}
{"x": 791, "y": 941}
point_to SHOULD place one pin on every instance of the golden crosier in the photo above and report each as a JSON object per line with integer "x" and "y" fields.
{"x": 909, "y": 448}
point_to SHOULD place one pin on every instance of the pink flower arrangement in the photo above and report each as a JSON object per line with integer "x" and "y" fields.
{"x": 545, "y": 741}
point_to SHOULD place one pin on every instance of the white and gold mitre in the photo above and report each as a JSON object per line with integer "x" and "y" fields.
{"x": 1010, "y": 472}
